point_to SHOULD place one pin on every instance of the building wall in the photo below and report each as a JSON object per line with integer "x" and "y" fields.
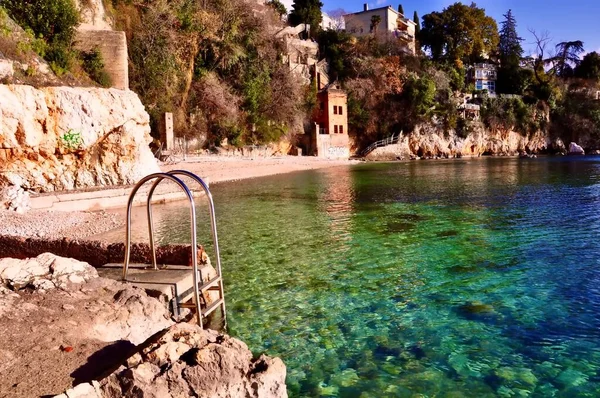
{"x": 113, "y": 47}
{"x": 359, "y": 24}
{"x": 326, "y": 142}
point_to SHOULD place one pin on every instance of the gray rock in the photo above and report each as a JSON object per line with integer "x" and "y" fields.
{"x": 44, "y": 272}
{"x": 575, "y": 149}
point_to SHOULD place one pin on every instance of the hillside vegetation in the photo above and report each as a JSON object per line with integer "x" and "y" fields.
{"x": 218, "y": 67}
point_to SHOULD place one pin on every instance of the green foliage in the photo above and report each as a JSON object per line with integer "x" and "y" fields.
{"x": 93, "y": 64}
{"x": 459, "y": 34}
{"x": 4, "y": 28}
{"x": 509, "y": 113}
{"x": 514, "y": 80}
{"x": 72, "y": 140}
{"x": 336, "y": 47}
{"x": 375, "y": 21}
{"x": 577, "y": 113}
{"x": 420, "y": 93}
{"x": 278, "y": 6}
{"x": 567, "y": 56}
{"x": 54, "y": 21}
{"x": 589, "y": 67}
{"x": 307, "y": 12}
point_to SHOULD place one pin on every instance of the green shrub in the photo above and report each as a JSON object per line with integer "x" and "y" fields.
{"x": 54, "y": 21}
{"x": 93, "y": 64}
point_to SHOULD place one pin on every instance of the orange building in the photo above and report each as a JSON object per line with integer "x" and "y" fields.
{"x": 330, "y": 134}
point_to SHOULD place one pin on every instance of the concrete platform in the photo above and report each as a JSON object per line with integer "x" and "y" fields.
{"x": 175, "y": 282}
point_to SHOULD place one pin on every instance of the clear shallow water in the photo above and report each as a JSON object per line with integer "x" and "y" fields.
{"x": 465, "y": 278}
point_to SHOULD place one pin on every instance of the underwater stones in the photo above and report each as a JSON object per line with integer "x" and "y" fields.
{"x": 571, "y": 378}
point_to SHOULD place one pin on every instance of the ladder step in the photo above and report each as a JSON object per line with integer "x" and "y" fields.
{"x": 210, "y": 283}
{"x": 205, "y": 312}
{"x": 212, "y": 307}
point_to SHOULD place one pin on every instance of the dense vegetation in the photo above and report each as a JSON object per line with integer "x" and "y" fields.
{"x": 218, "y": 66}
{"x": 215, "y": 64}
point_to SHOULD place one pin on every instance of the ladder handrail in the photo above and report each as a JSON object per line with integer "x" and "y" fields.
{"x": 194, "y": 242}
{"x": 213, "y": 225}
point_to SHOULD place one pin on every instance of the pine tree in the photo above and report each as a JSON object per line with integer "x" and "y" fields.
{"x": 511, "y": 79}
{"x": 509, "y": 48}
{"x": 400, "y": 9}
{"x": 307, "y": 12}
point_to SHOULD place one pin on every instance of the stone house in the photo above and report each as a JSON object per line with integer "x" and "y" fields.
{"x": 299, "y": 54}
{"x": 329, "y": 136}
{"x": 392, "y": 25}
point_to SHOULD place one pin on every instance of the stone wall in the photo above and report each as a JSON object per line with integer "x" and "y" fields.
{"x": 113, "y": 47}
{"x": 92, "y": 252}
{"x": 60, "y": 138}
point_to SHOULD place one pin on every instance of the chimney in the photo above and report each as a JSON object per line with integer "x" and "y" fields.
{"x": 365, "y": 7}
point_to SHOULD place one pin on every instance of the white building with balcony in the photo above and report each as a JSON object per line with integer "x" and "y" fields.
{"x": 391, "y": 24}
{"x": 484, "y": 77}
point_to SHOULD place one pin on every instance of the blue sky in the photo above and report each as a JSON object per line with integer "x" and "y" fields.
{"x": 565, "y": 20}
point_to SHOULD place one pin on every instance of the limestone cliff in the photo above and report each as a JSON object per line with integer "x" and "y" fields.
{"x": 57, "y": 138}
{"x": 430, "y": 141}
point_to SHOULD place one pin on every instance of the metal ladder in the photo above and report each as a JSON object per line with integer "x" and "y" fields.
{"x": 199, "y": 286}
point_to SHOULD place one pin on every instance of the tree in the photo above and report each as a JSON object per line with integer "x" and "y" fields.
{"x": 337, "y": 18}
{"x": 589, "y": 67}
{"x": 567, "y": 54}
{"x": 509, "y": 47}
{"x": 375, "y": 21}
{"x": 459, "y": 34}
{"x": 417, "y": 22}
{"x": 278, "y": 7}
{"x": 510, "y": 79}
{"x": 307, "y": 12}
{"x": 400, "y": 9}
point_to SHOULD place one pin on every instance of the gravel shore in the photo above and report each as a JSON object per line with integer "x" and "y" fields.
{"x": 80, "y": 225}
{"x": 45, "y": 224}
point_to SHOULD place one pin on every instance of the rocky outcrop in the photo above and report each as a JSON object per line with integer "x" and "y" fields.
{"x": 189, "y": 361}
{"x": 58, "y": 138}
{"x": 96, "y": 337}
{"x": 44, "y": 272}
{"x": 15, "y": 199}
{"x": 431, "y": 141}
{"x": 575, "y": 149}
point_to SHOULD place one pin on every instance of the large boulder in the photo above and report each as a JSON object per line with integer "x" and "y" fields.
{"x": 575, "y": 149}
{"x": 58, "y": 138}
{"x": 46, "y": 271}
{"x": 190, "y": 361}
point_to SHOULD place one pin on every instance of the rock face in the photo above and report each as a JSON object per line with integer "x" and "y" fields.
{"x": 58, "y": 138}
{"x": 189, "y": 361}
{"x": 14, "y": 198}
{"x": 429, "y": 141}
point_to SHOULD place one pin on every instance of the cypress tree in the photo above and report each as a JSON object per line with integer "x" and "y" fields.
{"x": 417, "y": 22}
{"x": 400, "y": 9}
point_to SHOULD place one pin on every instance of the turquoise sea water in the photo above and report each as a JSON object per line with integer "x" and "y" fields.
{"x": 468, "y": 278}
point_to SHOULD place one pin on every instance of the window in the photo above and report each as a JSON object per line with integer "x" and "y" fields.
{"x": 335, "y": 110}
{"x": 341, "y": 129}
{"x": 340, "y": 110}
{"x": 335, "y": 129}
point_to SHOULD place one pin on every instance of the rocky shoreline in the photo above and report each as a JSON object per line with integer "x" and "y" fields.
{"x": 64, "y": 328}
